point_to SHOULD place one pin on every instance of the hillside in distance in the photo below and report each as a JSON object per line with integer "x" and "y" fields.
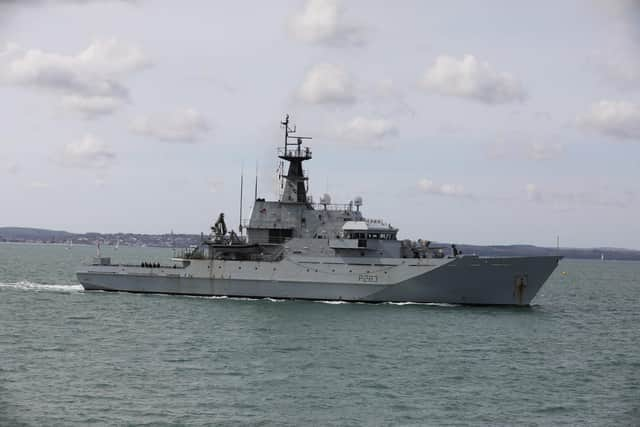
{"x": 173, "y": 240}
{"x": 573, "y": 253}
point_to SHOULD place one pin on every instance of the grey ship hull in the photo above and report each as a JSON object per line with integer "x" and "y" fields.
{"x": 460, "y": 280}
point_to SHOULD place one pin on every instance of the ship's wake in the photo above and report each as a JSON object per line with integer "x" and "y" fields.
{"x": 32, "y": 286}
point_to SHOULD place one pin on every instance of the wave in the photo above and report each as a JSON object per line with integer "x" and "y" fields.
{"x": 32, "y": 286}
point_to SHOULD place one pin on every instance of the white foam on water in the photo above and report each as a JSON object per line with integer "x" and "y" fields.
{"x": 434, "y": 304}
{"x": 31, "y": 286}
{"x": 332, "y": 302}
{"x": 223, "y": 297}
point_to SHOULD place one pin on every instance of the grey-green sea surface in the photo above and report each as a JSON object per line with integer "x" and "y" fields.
{"x": 69, "y": 357}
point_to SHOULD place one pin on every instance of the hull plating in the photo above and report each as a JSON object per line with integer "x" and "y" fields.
{"x": 463, "y": 280}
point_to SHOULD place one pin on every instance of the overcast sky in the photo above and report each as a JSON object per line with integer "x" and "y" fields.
{"x": 477, "y": 122}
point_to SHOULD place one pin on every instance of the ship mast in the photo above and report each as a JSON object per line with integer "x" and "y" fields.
{"x": 295, "y": 188}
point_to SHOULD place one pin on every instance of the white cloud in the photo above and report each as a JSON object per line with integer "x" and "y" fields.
{"x": 111, "y": 57}
{"x": 88, "y": 153}
{"x": 472, "y": 79}
{"x": 88, "y": 81}
{"x": 327, "y": 84}
{"x": 618, "y": 119}
{"x": 323, "y": 22}
{"x": 369, "y": 131}
{"x": 183, "y": 125}
{"x": 453, "y": 190}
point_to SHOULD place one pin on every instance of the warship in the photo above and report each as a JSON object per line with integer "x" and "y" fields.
{"x": 293, "y": 248}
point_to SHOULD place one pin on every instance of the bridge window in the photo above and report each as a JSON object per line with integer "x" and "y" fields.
{"x": 370, "y": 236}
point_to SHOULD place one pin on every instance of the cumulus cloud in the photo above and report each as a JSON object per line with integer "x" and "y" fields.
{"x": 327, "y": 84}
{"x": 89, "y": 82}
{"x": 472, "y": 79}
{"x": 617, "y": 119}
{"x": 182, "y": 125}
{"x": 453, "y": 190}
{"x": 367, "y": 131}
{"x": 87, "y": 153}
{"x": 323, "y": 22}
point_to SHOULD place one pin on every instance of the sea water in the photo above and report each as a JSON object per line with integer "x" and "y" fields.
{"x": 69, "y": 357}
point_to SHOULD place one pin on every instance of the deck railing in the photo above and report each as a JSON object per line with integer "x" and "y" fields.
{"x": 347, "y": 207}
{"x": 298, "y": 152}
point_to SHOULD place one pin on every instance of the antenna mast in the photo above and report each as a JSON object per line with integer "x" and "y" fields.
{"x": 241, "y": 188}
{"x": 255, "y": 188}
{"x": 294, "y": 183}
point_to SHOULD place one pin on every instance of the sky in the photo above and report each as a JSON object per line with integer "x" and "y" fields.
{"x": 493, "y": 122}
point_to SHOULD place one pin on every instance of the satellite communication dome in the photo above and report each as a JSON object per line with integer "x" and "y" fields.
{"x": 357, "y": 201}
{"x": 325, "y": 199}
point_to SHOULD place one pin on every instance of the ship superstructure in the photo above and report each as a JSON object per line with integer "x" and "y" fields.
{"x": 296, "y": 249}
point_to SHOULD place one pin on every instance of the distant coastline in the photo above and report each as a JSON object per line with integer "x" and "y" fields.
{"x": 40, "y": 236}
{"x": 173, "y": 240}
